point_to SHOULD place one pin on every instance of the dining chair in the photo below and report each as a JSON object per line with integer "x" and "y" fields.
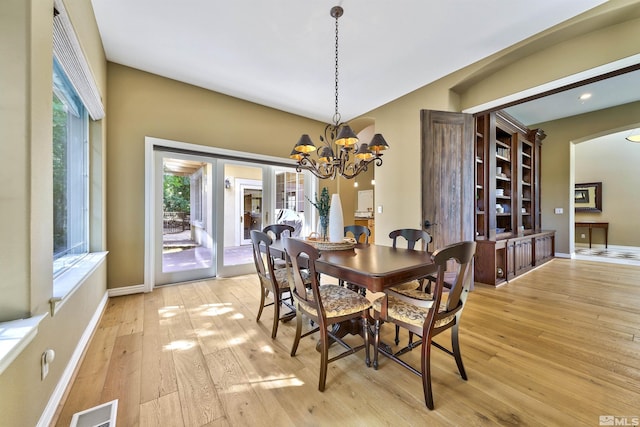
{"x": 272, "y": 280}
{"x": 357, "y": 231}
{"x": 429, "y": 318}
{"x": 276, "y": 231}
{"x": 325, "y": 305}
{"x": 414, "y": 288}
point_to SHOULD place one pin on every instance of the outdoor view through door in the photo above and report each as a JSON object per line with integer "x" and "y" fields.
{"x": 186, "y": 236}
{"x": 204, "y": 208}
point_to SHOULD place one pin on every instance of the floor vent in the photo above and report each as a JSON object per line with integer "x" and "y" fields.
{"x": 99, "y": 416}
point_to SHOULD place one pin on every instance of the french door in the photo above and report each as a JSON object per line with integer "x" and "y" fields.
{"x": 202, "y": 203}
{"x": 184, "y": 213}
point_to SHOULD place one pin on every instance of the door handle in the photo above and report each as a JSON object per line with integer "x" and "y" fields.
{"x": 427, "y": 223}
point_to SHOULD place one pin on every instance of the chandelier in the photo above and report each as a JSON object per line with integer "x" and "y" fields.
{"x": 341, "y": 153}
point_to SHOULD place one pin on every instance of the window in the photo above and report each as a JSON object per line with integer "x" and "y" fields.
{"x": 70, "y": 173}
{"x": 290, "y": 191}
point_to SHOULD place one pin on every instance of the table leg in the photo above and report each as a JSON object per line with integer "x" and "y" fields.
{"x": 590, "y": 237}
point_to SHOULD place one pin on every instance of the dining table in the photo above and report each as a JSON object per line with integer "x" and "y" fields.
{"x": 368, "y": 266}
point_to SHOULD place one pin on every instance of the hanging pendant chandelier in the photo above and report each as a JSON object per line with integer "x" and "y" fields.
{"x": 341, "y": 153}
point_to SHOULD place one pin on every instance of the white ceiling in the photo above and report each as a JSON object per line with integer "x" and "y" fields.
{"x": 618, "y": 90}
{"x": 280, "y": 53}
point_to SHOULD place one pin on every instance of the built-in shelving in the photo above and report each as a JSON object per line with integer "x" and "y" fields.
{"x": 508, "y": 199}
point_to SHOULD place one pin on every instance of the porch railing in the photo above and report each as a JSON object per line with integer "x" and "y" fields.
{"x": 175, "y": 222}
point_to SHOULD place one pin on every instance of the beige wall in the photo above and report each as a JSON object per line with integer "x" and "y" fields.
{"x": 26, "y": 40}
{"x": 615, "y": 164}
{"x": 558, "y": 168}
{"x": 143, "y": 104}
{"x": 15, "y": 42}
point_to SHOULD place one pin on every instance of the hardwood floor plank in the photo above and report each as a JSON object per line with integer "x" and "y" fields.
{"x": 123, "y": 378}
{"x": 159, "y": 374}
{"x": 199, "y": 401}
{"x": 132, "y": 315}
{"x": 241, "y": 401}
{"x": 163, "y": 411}
{"x": 558, "y": 346}
{"x": 91, "y": 378}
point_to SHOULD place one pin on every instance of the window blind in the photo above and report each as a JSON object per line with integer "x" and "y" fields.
{"x": 67, "y": 50}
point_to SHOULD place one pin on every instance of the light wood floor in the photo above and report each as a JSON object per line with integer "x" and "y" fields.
{"x": 559, "y": 346}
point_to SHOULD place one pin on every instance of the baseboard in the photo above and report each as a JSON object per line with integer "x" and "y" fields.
{"x": 610, "y": 247}
{"x": 56, "y": 397}
{"x": 126, "y": 290}
{"x": 562, "y": 255}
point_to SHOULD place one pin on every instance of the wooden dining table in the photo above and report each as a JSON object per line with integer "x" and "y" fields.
{"x": 369, "y": 266}
{"x": 374, "y": 267}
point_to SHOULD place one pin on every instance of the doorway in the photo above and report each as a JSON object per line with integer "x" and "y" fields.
{"x": 249, "y": 201}
{"x": 198, "y": 200}
{"x": 184, "y": 212}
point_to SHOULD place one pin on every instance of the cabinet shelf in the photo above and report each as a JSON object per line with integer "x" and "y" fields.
{"x": 509, "y": 242}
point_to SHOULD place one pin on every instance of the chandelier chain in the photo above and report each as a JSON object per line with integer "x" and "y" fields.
{"x": 336, "y": 117}
{"x": 341, "y": 154}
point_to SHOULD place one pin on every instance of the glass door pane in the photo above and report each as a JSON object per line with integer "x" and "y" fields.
{"x": 255, "y": 196}
{"x": 242, "y": 200}
{"x": 290, "y": 200}
{"x": 184, "y": 218}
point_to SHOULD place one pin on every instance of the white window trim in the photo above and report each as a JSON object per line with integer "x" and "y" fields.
{"x": 68, "y": 282}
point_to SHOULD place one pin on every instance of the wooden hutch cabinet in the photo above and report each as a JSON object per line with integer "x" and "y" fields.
{"x": 507, "y": 212}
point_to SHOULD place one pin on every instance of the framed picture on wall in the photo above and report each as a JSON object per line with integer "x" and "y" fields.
{"x": 582, "y": 195}
{"x": 588, "y": 197}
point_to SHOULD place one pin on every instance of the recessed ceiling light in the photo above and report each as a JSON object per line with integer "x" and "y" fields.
{"x": 634, "y": 136}
{"x": 585, "y": 96}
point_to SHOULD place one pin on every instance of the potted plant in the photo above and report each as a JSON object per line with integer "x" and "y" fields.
{"x": 322, "y": 205}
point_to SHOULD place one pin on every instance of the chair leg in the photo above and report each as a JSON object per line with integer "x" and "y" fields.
{"x": 296, "y": 340}
{"x": 276, "y": 315}
{"x": 397, "y": 339}
{"x": 262, "y": 298}
{"x": 324, "y": 357}
{"x": 376, "y": 343}
{"x": 365, "y": 328}
{"x": 426, "y": 373}
{"x": 455, "y": 345}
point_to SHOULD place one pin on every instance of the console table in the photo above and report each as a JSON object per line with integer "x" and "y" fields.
{"x": 591, "y": 225}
